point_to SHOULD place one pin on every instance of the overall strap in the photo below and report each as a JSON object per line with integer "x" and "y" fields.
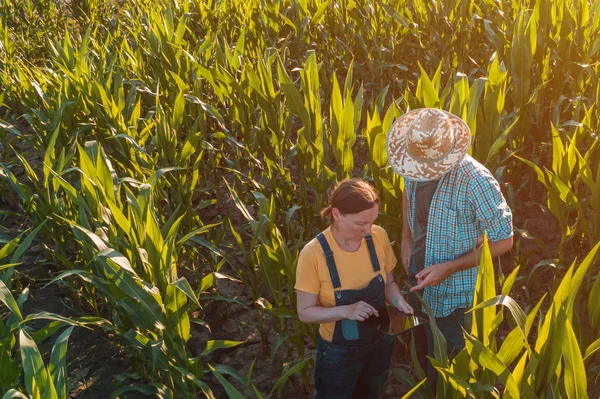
{"x": 372, "y": 253}
{"x": 335, "y": 278}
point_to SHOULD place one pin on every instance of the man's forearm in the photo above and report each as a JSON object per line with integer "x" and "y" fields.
{"x": 435, "y": 274}
{"x": 471, "y": 259}
{"x": 405, "y": 227}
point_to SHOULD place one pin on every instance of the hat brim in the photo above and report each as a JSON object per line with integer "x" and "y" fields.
{"x": 417, "y": 170}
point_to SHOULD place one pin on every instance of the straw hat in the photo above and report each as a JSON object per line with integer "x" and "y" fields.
{"x": 425, "y": 143}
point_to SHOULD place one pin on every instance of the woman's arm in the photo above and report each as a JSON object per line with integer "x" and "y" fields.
{"x": 394, "y": 297}
{"x": 310, "y": 312}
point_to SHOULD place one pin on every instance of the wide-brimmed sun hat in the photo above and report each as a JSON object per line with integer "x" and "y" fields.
{"x": 424, "y": 144}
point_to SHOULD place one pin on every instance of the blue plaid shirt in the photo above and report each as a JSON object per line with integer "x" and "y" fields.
{"x": 467, "y": 202}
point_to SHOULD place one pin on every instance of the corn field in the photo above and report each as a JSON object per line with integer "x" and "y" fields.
{"x": 167, "y": 160}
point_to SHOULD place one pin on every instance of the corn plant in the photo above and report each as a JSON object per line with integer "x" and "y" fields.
{"x": 571, "y": 186}
{"x": 28, "y": 374}
{"x": 552, "y": 363}
{"x": 128, "y": 122}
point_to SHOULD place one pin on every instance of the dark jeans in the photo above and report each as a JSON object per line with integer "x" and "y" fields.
{"x": 348, "y": 372}
{"x": 451, "y": 328}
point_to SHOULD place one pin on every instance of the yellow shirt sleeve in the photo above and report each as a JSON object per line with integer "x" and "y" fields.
{"x": 307, "y": 276}
{"x": 390, "y": 261}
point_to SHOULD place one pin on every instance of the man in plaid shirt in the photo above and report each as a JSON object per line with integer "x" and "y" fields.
{"x": 450, "y": 201}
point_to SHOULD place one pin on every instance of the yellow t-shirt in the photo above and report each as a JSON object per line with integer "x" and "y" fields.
{"x": 354, "y": 268}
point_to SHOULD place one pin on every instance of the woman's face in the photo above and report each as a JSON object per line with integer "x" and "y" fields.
{"x": 355, "y": 225}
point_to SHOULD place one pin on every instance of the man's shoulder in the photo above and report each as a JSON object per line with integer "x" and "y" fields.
{"x": 472, "y": 170}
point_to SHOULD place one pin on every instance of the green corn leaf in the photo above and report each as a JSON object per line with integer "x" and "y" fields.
{"x": 14, "y": 394}
{"x": 578, "y": 277}
{"x": 439, "y": 341}
{"x": 98, "y": 242}
{"x": 47, "y": 331}
{"x": 514, "y": 308}
{"x": 77, "y": 322}
{"x": 203, "y": 386}
{"x": 147, "y": 305}
{"x": 426, "y": 91}
{"x": 207, "y": 282}
{"x": 196, "y": 232}
{"x": 9, "y": 265}
{"x": 550, "y": 337}
{"x": 403, "y": 376}
{"x": 593, "y": 308}
{"x": 414, "y": 390}
{"x": 153, "y": 180}
{"x": 50, "y": 156}
{"x": 379, "y": 150}
{"x": 521, "y": 371}
{"x": 24, "y": 246}
{"x": 453, "y": 381}
{"x": 500, "y": 142}
{"x": 575, "y": 372}
{"x": 510, "y": 281}
{"x": 292, "y": 95}
{"x": 296, "y": 368}
{"x": 58, "y": 364}
{"x": 117, "y": 258}
{"x": 37, "y": 381}
{"x": 178, "y": 111}
{"x": 486, "y": 358}
{"x": 184, "y": 286}
{"x": 10, "y": 246}
{"x": 177, "y": 318}
{"x": 8, "y": 300}
{"x": 228, "y": 370}
{"x": 213, "y": 345}
{"x": 232, "y": 392}
{"x": 591, "y": 350}
{"x": 22, "y": 190}
{"x": 484, "y": 290}
{"x": 257, "y": 393}
{"x": 317, "y": 16}
{"x": 512, "y": 346}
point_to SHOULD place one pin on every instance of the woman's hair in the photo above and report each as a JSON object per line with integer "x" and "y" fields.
{"x": 351, "y": 196}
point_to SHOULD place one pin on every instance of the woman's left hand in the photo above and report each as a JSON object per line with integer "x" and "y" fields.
{"x": 403, "y": 306}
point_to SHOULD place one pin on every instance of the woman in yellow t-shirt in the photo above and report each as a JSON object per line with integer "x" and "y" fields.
{"x": 343, "y": 280}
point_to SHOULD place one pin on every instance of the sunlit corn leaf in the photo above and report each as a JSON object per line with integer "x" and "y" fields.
{"x": 57, "y": 368}
{"x": 37, "y": 380}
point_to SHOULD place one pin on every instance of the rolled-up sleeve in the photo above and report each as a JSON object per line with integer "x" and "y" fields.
{"x": 491, "y": 211}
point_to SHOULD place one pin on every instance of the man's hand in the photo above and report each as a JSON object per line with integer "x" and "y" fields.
{"x": 432, "y": 275}
{"x": 406, "y": 251}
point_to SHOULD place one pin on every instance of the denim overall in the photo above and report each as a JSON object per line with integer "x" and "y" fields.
{"x": 355, "y": 363}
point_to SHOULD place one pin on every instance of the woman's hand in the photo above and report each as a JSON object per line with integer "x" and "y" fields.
{"x": 361, "y": 311}
{"x": 394, "y": 297}
{"x": 403, "y": 306}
